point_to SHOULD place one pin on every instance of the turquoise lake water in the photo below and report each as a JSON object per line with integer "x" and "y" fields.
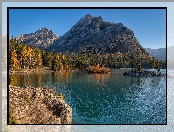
{"x": 105, "y": 98}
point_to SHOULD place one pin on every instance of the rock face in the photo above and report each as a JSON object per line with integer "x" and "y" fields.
{"x": 157, "y": 53}
{"x": 93, "y": 34}
{"x": 38, "y": 106}
{"x": 41, "y": 38}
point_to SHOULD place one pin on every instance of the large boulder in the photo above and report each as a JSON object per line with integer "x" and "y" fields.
{"x": 38, "y": 106}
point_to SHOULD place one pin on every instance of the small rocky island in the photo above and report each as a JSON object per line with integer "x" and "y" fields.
{"x": 98, "y": 69}
{"x": 37, "y": 106}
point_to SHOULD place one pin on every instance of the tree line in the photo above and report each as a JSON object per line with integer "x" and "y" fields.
{"x": 22, "y": 56}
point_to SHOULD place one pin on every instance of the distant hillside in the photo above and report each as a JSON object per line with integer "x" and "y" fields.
{"x": 157, "y": 53}
{"x": 41, "y": 38}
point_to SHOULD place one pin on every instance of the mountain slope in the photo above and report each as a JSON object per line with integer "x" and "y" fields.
{"x": 41, "y": 38}
{"x": 92, "y": 34}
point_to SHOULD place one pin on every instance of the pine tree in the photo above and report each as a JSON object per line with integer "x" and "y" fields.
{"x": 138, "y": 60}
{"x": 153, "y": 63}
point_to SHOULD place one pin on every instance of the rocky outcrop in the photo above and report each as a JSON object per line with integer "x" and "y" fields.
{"x": 41, "y": 38}
{"x": 38, "y": 106}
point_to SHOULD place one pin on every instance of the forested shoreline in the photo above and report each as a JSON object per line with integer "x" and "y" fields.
{"x": 22, "y": 56}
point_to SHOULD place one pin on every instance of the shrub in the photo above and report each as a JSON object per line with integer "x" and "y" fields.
{"x": 12, "y": 119}
{"x": 26, "y": 97}
{"x": 61, "y": 96}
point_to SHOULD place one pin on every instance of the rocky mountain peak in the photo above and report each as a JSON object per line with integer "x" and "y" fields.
{"x": 42, "y": 38}
{"x": 42, "y": 30}
{"x": 87, "y": 16}
{"x": 93, "y": 34}
{"x": 87, "y": 19}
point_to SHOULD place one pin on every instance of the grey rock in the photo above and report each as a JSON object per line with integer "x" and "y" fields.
{"x": 94, "y": 34}
{"x": 41, "y": 38}
{"x": 38, "y": 106}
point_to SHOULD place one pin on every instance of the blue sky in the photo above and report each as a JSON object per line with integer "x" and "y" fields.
{"x": 148, "y": 25}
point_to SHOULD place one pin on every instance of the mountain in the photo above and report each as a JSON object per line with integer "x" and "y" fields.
{"x": 93, "y": 34}
{"x": 41, "y": 38}
{"x": 157, "y": 53}
{"x": 89, "y": 34}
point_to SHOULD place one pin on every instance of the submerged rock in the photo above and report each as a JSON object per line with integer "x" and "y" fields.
{"x": 38, "y": 106}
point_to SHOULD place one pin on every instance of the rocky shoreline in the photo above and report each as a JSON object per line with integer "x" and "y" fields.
{"x": 38, "y": 106}
{"x": 143, "y": 73}
{"x": 30, "y": 70}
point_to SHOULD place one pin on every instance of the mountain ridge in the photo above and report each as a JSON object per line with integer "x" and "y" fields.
{"x": 89, "y": 34}
{"x": 42, "y": 37}
{"x": 159, "y": 53}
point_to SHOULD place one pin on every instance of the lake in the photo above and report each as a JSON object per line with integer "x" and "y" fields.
{"x": 105, "y": 98}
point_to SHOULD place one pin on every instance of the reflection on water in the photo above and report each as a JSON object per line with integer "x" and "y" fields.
{"x": 24, "y": 80}
{"x": 99, "y": 79}
{"x": 105, "y": 98}
{"x": 37, "y": 79}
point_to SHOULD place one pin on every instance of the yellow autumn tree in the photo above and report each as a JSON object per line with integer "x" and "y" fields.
{"x": 27, "y": 57}
{"x": 24, "y": 57}
{"x": 39, "y": 60}
{"x": 15, "y": 62}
